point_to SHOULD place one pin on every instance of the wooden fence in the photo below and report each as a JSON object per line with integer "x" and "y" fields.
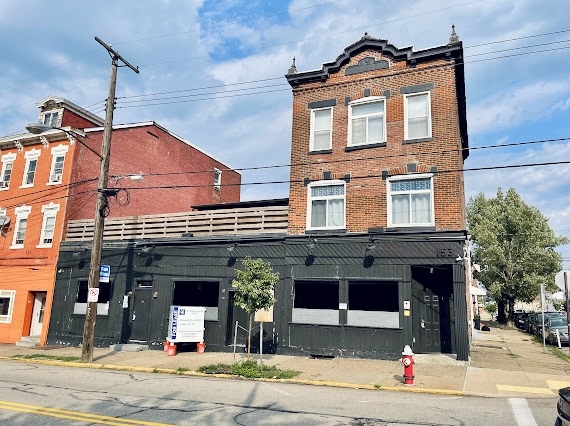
{"x": 238, "y": 221}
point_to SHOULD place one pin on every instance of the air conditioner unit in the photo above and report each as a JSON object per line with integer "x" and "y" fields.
{"x": 55, "y": 178}
{"x": 4, "y": 184}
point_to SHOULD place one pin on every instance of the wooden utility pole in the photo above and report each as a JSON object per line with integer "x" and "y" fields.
{"x": 101, "y": 209}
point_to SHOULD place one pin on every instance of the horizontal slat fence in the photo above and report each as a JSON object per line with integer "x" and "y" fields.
{"x": 237, "y": 221}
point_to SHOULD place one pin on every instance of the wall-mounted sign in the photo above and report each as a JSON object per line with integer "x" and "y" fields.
{"x": 105, "y": 274}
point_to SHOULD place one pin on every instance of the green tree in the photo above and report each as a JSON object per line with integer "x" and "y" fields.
{"x": 515, "y": 247}
{"x": 491, "y": 308}
{"x": 254, "y": 289}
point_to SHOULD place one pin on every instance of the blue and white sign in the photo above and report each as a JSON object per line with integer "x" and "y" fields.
{"x": 186, "y": 324}
{"x": 105, "y": 274}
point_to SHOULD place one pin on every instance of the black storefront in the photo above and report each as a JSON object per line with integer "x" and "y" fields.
{"x": 349, "y": 295}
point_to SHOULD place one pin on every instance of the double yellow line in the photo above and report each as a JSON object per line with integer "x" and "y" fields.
{"x": 73, "y": 415}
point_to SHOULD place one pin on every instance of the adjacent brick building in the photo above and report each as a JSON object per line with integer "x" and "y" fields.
{"x": 48, "y": 179}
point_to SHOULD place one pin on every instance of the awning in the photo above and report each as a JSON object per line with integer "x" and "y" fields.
{"x": 476, "y": 291}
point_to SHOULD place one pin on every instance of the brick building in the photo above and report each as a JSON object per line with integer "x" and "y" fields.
{"x": 371, "y": 256}
{"x": 49, "y": 179}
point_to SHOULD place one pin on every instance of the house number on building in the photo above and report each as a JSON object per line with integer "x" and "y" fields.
{"x": 444, "y": 252}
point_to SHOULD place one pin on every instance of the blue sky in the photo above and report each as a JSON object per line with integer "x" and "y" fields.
{"x": 216, "y": 46}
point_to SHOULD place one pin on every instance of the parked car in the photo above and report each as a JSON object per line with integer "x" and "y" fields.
{"x": 563, "y": 408}
{"x": 554, "y": 326}
{"x": 529, "y": 321}
{"x": 537, "y": 322}
{"x": 520, "y": 319}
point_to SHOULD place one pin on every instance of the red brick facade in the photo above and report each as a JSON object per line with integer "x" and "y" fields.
{"x": 366, "y": 193}
{"x": 176, "y": 175}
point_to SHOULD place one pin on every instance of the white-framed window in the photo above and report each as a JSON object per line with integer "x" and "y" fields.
{"x": 6, "y": 173}
{"x": 367, "y": 121}
{"x": 325, "y": 206}
{"x": 6, "y": 305}
{"x": 217, "y": 179}
{"x": 31, "y": 167}
{"x": 410, "y": 200}
{"x": 51, "y": 118}
{"x": 20, "y": 226}
{"x": 417, "y": 116}
{"x": 48, "y": 225}
{"x": 321, "y": 129}
{"x": 57, "y": 161}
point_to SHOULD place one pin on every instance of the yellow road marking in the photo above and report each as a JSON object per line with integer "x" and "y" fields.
{"x": 556, "y": 385}
{"x": 524, "y": 389}
{"x": 74, "y": 415}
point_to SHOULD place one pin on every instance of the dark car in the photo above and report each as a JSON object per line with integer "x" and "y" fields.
{"x": 563, "y": 408}
{"x": 537, "y": 322}
{"x": 529, "y": 321}
{"x": 557, "y": 328}
{"x": 520, "y": 319}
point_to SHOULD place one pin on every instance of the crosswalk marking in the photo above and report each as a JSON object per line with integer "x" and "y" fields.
{"x": 525, "y": 389}
{"x": 521, "y": 411}
{"x": 556, "y": 385}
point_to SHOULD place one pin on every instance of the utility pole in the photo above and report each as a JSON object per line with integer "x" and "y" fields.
{"x": 100, "y": 211}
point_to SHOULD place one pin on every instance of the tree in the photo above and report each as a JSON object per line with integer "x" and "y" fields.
{"x": 491, "y": 308}
{"x": 515, "y": 247}
{"x": 254, "y": 289}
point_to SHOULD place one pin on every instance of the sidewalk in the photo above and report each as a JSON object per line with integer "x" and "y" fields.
{"x": 504, "y": 363}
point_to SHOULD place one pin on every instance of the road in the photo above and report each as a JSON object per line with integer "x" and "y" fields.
{"x": 48, "y": 395}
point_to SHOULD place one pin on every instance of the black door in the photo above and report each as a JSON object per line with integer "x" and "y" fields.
{"x": 235, "y": 313}
{"x": 140, "y": 317}
{"x": 426, "y": 319}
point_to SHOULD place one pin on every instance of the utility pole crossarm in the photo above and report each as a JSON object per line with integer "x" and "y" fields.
{"x": 116, "y": 54}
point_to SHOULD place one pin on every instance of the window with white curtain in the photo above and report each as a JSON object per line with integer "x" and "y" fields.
{"x": 410, "y": 201}
{"x": 417, "y": 116}
{"x": 325, "y": 207}
{"x": 367, "y": 121}
{"x": 321, "y": 129}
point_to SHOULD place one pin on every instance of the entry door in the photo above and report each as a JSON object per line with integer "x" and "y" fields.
{"x": 235, "y": 313}
{"x": 426, "y": 319}
{"x": 38, "y": 314}
{"x": 140, "y": 317}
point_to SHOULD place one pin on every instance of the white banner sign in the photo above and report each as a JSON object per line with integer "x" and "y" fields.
{"x": 186, "y": 324}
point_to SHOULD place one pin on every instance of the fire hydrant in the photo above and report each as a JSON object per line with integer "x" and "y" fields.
{"x": 408, "y": 362}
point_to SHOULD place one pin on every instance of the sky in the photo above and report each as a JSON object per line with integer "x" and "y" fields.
{"x": 213, "y": 73}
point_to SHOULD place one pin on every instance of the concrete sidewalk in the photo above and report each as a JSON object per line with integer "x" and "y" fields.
{"x": 504, "y": 363}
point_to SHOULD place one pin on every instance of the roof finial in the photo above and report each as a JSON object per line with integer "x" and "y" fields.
{"x": 454, "y": 38}
{"x": 293, "y": 68}
{"x": 366, "y": 36}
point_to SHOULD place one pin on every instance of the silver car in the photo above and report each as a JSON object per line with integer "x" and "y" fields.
{"x": 557, "y": 326}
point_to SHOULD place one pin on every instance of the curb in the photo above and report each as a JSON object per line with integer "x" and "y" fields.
{"x": 231, "y": 376}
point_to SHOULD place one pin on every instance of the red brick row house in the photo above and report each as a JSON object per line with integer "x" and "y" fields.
{"x": 49, "y": 179}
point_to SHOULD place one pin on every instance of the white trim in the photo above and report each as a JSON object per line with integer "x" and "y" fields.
{"x": 70, "y": 106}
{"x": 364, "y": 101}
{"x": 389, "y": 199}
{"x": 22, "y": 213}
{"x": 8, "y": 294}
{"x": 31, "y": 155}
{"x": 50, "y": 211}
{"x": 8, "y": 158}
{"x": 57, "y": 112}
{"x": 58, "y": 151}
{"x": 429, "y": 118}
{"x": 310, "y": 204}
{"x": 312, "y": 129}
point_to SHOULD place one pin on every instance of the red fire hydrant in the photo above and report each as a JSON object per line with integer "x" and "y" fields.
{"x": 408, "y": 362}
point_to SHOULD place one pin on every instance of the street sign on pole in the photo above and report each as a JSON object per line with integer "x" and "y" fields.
{"x": 105, "y": 274}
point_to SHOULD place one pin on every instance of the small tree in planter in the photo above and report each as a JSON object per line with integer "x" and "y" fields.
{"x": 254, "y": 289}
